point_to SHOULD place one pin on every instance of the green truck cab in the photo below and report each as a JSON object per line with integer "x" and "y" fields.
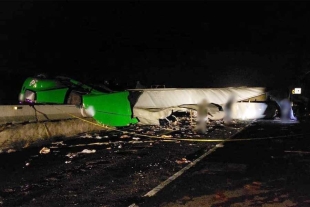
{"x": 104, "y": 105}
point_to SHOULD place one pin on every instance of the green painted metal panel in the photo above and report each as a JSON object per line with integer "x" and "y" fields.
{"x": 41, "y": 84}
{"x": 111, "y": 109}
{"x": 56, "y": 96}
{"x": 47, "y": 90}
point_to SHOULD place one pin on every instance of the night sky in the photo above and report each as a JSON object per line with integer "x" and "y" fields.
{"x": 177, "y": 43}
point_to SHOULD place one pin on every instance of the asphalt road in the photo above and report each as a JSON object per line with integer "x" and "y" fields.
{"x": 269, "y": 172}
{"x": 120, "y": 168}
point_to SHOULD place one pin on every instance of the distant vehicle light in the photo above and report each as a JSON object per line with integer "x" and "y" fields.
{"x": 296, "y": 91}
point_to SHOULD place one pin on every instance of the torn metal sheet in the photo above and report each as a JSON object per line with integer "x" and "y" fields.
{"x": 152, "y": 116}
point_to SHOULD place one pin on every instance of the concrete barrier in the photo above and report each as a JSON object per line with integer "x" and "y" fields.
{"x": 25, "y": 113}
{"x": 22, "y": 126}
{"x": 19, "y": 136}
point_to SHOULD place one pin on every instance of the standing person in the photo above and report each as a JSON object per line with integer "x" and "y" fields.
{"x": 286, "y": 110}
{"x": 202, "y": 118}
{"x": 228, "y": 110}
{"x": 139, "y": 85}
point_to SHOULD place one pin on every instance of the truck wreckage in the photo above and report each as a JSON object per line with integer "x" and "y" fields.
{"x": 146, "y": 106}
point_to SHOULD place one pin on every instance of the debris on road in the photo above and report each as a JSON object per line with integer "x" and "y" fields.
{"x": 131, "y": 149}
{"x": 182, "y": 161}
{"x": 11, "y": 150}
{"x": 45, "y": 150}
{"x": 86, "y": 136}
{"x": 125, "y": 136}
{"x": 98, "y": 137}
{"x": 133, "y": 205}
{"x": 300, "y": 152}
{"x": 253, "y": 186}
{"x": 166, "y": 136}
{"x": 220, "y": 196}
{"x": 72, "y": 155}
{"x": 87, "y": 151}
{"x": 219, "y": 145}
{"x": 58, "y": 143}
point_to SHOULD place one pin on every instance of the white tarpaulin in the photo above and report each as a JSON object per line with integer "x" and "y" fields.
{"x": 172, "y": 97}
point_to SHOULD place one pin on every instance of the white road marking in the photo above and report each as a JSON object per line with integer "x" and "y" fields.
{"x": 176, "y": 175}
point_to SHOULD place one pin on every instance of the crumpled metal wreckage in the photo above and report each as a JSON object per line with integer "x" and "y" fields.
{"x": 148, "y": 105}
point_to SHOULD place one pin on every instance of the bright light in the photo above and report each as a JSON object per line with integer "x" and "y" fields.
{"x": 21, "y": 97}
{"x": 296, "y": 91}
{"x": 90, "y": 111}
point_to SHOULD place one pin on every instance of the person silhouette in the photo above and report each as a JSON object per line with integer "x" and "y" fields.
{"x": 139, "y": 85}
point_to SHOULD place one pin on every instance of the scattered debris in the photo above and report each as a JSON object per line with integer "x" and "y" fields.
{"x": 98, "y": 137}
{"x": 220, "y": 196}
{"x": 219, "y": 145}
{"x": 87, "y": 151}
{"x": 150, "y": 133}
{"x": 72, "y": 155}
{"x": 34, "y": 156}
{"x": 182, "y": 161}
{"x": 301, "y": 152}
{"x": 45, "y": 150}
{"x": 8, "y": 190}
{"x": 124, "y": 136}
{"x": 136, "y": 142}
{"x": 186, "y": 198}
{"x": 58, "y": 143}
{"x": 11, "y": 150}
{"x": 133, "y": 205}
{"x": 257, "y": 183}
{"x": 253, "y": 186}
{"x": 86, "y": 136}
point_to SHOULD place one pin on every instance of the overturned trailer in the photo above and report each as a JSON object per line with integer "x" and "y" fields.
{"x": 155, "y": 104}
{"x": 146, "y": 106}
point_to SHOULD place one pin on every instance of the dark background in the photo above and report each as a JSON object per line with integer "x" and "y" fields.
{"x": 177, "y": 43}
